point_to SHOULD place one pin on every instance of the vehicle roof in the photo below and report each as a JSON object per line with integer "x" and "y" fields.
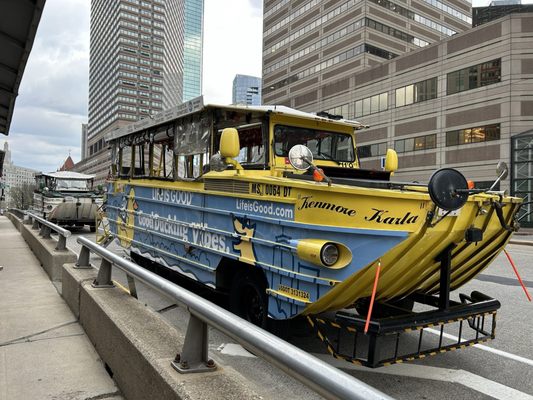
{"x": 66, "y": 175}
{"x": 196, "y": 105}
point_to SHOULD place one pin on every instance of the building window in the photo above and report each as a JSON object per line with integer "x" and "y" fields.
{"x": 372, "y": 150}
{"x": 473, "y": 135}
{"x": 340, "y": 110}
{"x": 371, "y": 105}
{"x": 416, "y": 143}
{"x": 417, "y": 92}
{"x": 473, "y": 77}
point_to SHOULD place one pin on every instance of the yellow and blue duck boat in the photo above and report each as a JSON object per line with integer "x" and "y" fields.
{"x": 270, "y": 205}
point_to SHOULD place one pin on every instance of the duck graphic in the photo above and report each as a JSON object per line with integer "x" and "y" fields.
{"x": 244, "y": 246}
{"x": 126, "y": 219}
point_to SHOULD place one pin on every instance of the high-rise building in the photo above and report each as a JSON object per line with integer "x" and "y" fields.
{"x": 193, "y": 49}
{"x": 83, "y": 154}
{"x": 312, "y": 49}
{"x": 246, "y": 90}
{"x": 137, "y": 68}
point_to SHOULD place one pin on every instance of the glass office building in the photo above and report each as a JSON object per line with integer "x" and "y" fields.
{"x": 246, "y": 90}
{"x": 193, "y": 49}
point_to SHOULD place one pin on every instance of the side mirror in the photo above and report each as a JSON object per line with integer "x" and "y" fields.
{"x": 229, "y": 143}
{"x": 502, "y": 170}
{"x": 230, "y": 147}
{"x": 300, "y": 157}
{"x": 391, "y": 161}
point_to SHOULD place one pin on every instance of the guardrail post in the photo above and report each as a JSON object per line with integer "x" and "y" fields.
{"x": 194, "y": 357}
{"x": 35, "y": 224}
{"x": 45, "y": 232}
{"x": 83, "y": 259}
{"x": 61, "y": 242}
{"x": 131, "y": 286}
{"x": 103, "y": 279}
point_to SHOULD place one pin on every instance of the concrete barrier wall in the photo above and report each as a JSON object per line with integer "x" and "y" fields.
{"x": 15, "y": 220}
{"x": 138, "y": 345}
{"x": 51, "y": 259}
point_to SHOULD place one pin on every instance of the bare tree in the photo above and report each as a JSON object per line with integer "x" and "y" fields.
{"x": 22, "y": 196}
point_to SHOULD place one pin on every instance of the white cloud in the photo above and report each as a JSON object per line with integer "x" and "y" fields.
{"x": 52, "y": 101}
{"x": 45, "y": 137}
{"x": 232, "y": 45}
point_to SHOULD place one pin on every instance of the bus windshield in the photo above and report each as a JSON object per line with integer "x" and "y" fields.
{"x": 62, "y": 184}
{"x": 324, "y": 145}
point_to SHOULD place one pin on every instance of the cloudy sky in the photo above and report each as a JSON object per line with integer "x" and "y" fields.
{"x": 52, "y": 101}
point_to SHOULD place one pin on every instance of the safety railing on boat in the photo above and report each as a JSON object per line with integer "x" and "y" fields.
{"x": 326, "y": 380}
{"x": 46, "y": 228}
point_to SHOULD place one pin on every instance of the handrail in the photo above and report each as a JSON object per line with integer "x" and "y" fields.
{"x": 19, "y": 213}
{"x": 326, "y": 380}
{"x": 46, "y": 228}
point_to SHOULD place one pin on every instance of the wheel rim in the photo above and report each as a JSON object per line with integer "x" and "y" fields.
{"x": 253, "y": 307}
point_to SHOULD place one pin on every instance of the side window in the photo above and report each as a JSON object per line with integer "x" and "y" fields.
{"x": 252, "y": 142}
{"x": 191, "y": 146}
{"x": 125, "y": 161}
{"x": 162, "y": 164}
{"x": 191, "y": 167}
{"x": 139, "y": 162}
{"x": 252, "y": 147}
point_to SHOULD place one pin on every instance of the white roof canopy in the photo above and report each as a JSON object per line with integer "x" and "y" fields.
{"x": 68, "y": 175}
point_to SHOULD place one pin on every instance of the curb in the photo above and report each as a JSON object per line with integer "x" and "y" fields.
{"x": 521, "y": 242}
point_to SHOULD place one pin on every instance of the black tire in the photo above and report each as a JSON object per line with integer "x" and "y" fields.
{"x": 249, "y": 300}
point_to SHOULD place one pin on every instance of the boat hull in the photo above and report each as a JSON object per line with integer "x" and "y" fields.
{"x": 194, "y": 227}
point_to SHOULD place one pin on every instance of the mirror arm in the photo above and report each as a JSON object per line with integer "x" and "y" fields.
{"x": 497, "y": 180}
{"x": 235, "y": 163}
{"x": 314, "y": 168}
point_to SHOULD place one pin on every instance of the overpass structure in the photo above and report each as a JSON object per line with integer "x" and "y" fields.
{"x": 19, "y": 20}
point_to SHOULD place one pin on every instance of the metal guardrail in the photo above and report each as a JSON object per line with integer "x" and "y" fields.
{"x": 326, "y": 380}
{"x": 46, "y": 228}
{"x": 19, "y": 213}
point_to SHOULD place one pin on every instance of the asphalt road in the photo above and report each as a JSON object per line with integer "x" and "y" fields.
{"x": 500, "y": 369}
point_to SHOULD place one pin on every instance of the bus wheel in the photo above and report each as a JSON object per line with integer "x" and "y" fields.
{"x": 248, "y": 299}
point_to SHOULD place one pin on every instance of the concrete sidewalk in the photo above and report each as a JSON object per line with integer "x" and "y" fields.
{"x": 44, "y": 352}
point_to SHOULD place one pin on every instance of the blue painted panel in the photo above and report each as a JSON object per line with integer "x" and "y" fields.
{"x": 192, "y": 232}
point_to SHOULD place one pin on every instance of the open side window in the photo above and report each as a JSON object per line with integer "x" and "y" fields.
{"x": 192, "y": 146}
{"x": 253, "y": 140}
{"x": 162, "y": 165}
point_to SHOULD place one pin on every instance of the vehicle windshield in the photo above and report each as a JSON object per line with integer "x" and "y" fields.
{"x": 324, "y": 145}
{"x": 72, "y": 184}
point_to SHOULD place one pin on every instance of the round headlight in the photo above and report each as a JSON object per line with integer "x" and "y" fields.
{"x": 329, "y": 254}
